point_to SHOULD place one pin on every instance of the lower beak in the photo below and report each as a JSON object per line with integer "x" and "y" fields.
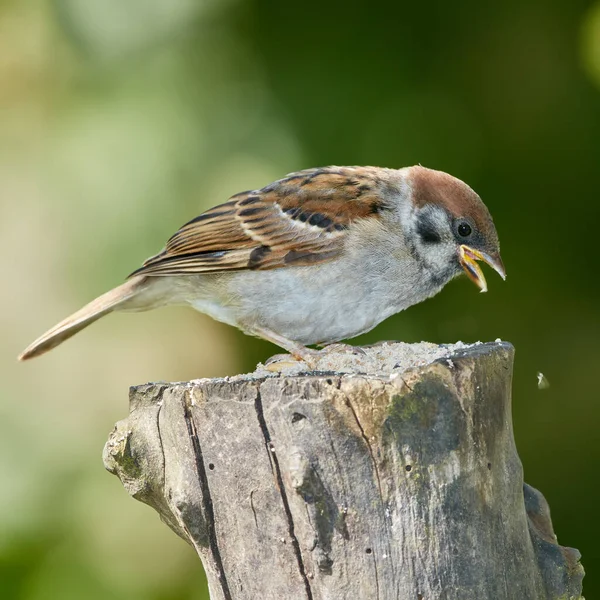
{"x": 468, "y": 258}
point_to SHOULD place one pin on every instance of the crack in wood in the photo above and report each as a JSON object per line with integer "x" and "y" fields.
{"x": 315, "y": 541}
{"x": 284, "y": 499}
{"x": 379, "y": 487}
{"x": 207, "y": 505}
{"x": 406, "y": 384}
{"x": 376, "y": 575}
{"x": 366, "y": 440}
{"x": 253, "y": 509}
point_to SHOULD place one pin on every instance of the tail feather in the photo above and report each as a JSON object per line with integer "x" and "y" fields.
{"x": 82, "y": 318}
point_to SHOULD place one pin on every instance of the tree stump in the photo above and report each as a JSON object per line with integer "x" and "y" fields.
{"x": 391, "y": 475}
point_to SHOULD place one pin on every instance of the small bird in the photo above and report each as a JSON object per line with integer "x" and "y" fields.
{"x": 319, "y": 256}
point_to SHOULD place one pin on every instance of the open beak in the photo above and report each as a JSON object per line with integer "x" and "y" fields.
{"x": 468, "y": 260}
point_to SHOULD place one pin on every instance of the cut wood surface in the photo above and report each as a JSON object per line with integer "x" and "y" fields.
{"x": 388, "y": 474}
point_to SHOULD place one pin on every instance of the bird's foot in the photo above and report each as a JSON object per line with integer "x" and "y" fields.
{"x": 308, "y": 356}
{"x": 279, "y": 362}
{"x": 299, "y": 353}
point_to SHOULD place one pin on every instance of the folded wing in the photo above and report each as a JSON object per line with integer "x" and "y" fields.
{"x": 299, "y": 220}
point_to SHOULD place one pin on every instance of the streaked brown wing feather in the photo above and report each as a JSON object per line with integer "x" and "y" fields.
{"x": 301, "y": 219}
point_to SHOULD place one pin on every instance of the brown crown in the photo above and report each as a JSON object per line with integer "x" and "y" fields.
{"x": 441, "y": 189}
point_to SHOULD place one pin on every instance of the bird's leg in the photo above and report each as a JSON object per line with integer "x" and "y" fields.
{"x": 298, "y": 351}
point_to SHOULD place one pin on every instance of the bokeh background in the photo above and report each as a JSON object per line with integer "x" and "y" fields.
{"x": 122, "y": 119}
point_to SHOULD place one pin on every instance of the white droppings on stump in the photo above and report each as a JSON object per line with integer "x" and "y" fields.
{"x": 388, "y": 358}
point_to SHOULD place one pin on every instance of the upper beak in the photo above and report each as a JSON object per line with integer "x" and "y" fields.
{"x": 468, "y": 257}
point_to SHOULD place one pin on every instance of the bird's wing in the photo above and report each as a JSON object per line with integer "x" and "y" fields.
{"x": 299, "y": 220}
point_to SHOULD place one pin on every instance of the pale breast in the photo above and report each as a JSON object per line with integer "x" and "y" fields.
{"x": 329, "y": 302}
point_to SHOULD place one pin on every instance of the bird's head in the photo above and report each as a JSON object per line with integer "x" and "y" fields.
{"x": 450, "y": 227}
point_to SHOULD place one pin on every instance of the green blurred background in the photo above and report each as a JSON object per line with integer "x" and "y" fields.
{"x": 122, "y": 119}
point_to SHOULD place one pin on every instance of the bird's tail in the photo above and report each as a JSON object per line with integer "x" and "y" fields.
{"x": 82, "y": 318}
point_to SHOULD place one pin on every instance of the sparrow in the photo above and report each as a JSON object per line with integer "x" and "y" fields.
{"x": 319, "y": 256}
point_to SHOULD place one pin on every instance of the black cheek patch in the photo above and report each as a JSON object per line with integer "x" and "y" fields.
{"x": 427, "y": 231}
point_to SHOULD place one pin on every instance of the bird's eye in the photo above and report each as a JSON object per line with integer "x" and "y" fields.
{"x": 464, "y": 229}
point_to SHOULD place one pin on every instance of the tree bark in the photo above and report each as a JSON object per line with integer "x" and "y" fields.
{"x": 349, "y": 486}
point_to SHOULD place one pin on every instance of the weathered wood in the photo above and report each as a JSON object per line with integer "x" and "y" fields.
{"x": 327, "y": 486}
